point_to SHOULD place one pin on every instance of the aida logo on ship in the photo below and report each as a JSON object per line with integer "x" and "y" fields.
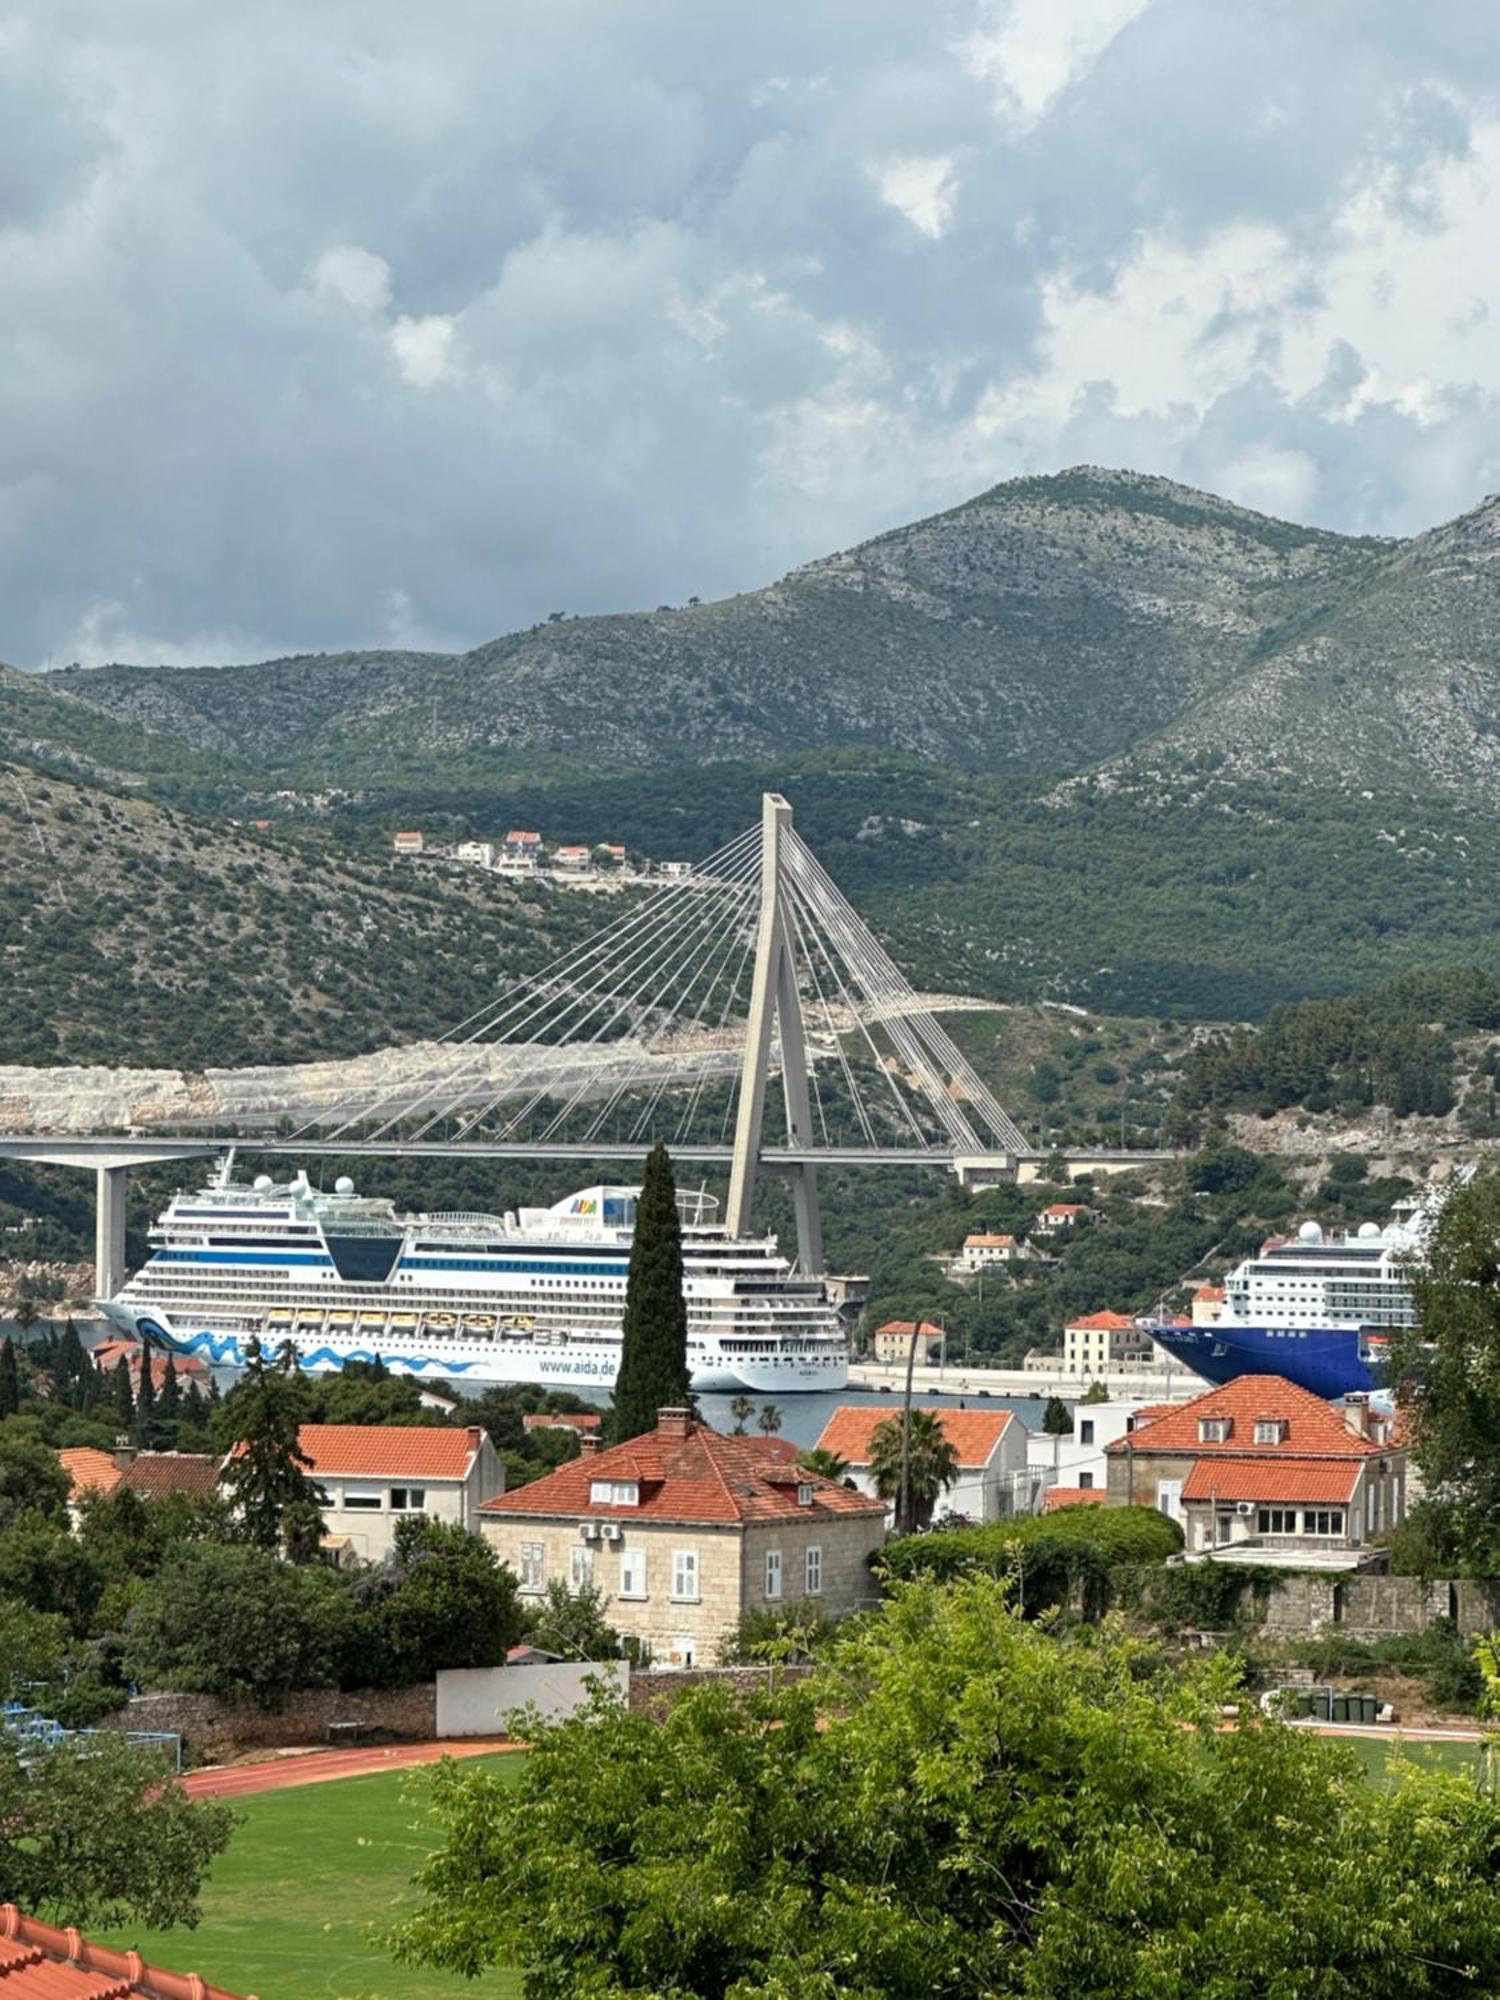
{"x": 584, "y": 1204}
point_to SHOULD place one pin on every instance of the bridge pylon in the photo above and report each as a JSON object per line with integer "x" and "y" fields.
{"x": 775, "y": 1004}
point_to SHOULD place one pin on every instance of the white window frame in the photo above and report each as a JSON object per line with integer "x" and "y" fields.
{"x": 614, "y": 1493}
{"x": 685, "y": 1576}
{"x": 773, "y": 1576}
{"x": 1213, "y": 1430}
{"x": 580, "y": 1565}
{"x": 633, "y": 1573}
{"x": 812, "y": 1571}
{"x": 533, "y": 1566}
{"x": 1270, "y": 1430}
{"x": 363, "y": 1499}
{"x": 408, "y": 1499}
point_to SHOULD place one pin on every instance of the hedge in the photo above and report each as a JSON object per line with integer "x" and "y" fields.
{"x": 1070, "y": 1556}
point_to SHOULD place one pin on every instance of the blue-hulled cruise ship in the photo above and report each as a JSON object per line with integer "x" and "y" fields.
{"x": 1316, "y": 1307}
{"x": 536, "y": 1295}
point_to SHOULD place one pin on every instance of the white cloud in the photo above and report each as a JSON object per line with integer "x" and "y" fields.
{"x": 1033, "y": 49}
{"x": 356, "y": 276}
{"x": 423, "y": 348}
{"x": 922, "y": 188}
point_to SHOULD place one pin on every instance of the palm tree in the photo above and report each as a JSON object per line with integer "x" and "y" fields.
{"x": 742, "y": 1410}
{"x": 932, "y": 1469}
{"x": 769, "y": 1419}
{"x": 827, "y": 1463}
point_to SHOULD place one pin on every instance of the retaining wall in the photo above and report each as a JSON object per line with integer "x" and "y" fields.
{"x": 1378, "y": 1607}
{"x": 653, "y": 1690}
{"x": 474, "y": 1701}
{"x": 213, "y": 1728}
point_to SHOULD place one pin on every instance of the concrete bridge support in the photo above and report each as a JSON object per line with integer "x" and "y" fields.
{"x": 109, "y": 1231}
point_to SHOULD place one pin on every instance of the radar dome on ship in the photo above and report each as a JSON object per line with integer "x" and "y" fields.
{"x": 1369, "y": 1230}
{"x": 343, "y": 1185}
{"x": 262, "y": 1182}
{"x": 1309, "y": 1233}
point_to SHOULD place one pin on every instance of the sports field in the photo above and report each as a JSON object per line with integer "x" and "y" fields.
{"x": 305, "y": 1875}
{"x": 1379, "y": 1755}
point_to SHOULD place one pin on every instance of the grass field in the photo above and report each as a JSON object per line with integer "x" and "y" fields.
{"x": 1378, "y": 1756}
{"x": 306, "y": 1874}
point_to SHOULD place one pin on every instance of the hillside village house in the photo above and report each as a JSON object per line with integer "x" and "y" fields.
{"x": 406, "y": 843}
{"x": 1103, "y": 1341}
{"x": 518, "y": 841}
{"x": 985, "y": 1252}
{"x": 574, "y": 855}
{"x": 374, "y": 1475}
{"x": 991, "y": 1447}
{"x": 152, "y": 1474}
{"x": 1075, "y": 1460}
{"x": 1208, "y": 1305}
{"x": 685, "y": 1529}
{"x": 480, "y": 852}
{"x": 1057, "y": 1215}
{"x": 892, "y": 1342}
{"x": 1266, "y": 1468}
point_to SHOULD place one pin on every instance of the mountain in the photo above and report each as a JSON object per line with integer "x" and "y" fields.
{"x": 1043, "y": 627}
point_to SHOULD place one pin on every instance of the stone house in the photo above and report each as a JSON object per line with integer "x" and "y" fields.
{"x": 374, "y": 1475}
{"x": 987, "y": 1251}
{"x": 991, "y": 1447}
{"x": 1262, "y": 1462}
{"x": 1057, "y": 1215}
{"x": 1101, "y": 1341}
{"x": 892, "y": 1342}
{"x": 684, "y": 1529}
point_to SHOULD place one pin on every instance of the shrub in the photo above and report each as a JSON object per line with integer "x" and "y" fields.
{"x": 1057, "y": 1558}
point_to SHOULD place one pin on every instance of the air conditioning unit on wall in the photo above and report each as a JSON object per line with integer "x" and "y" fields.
{"x": 1244, "y": 1506}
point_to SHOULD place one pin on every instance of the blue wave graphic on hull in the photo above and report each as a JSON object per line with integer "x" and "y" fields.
{"x": 224, "y": 1351}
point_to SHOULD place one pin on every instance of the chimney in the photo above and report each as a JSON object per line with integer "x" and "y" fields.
{"x": 673, "y": 1423}
{"x": 1357, "y": 1414}
{"x": 124, "y": 1454}
{"x": 588, "y": 1443}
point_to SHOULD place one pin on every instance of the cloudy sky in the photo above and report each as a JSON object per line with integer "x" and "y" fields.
{"x": 355, "y": 322}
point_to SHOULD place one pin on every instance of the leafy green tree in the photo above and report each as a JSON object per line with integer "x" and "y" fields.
{"x": 27, "y": 1313}
{"x": 1057, "y": 1420}
{"x": 960, "y": 1804}
{"x": 234, "y": 1620}
{"x": 1452, "y": 1357}
{"x": 653, "y": 1354}
{"x": 932, "y": 1466}
{"x": 742, "y": 1409}
{"x": 32, "y": 1644}
{"x": 443, "y": 1600}
{"x": 10, "y": 1381}
{"x": 572, "y": 1623}
{"x": 265, "y": 1472}
{"x": 43, "y": 1563}
{"x": 31, "y": 1479}
{"x": 101, "y": 1838}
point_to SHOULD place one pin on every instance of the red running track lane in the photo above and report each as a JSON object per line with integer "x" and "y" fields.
{"x": 319, "y": 1767}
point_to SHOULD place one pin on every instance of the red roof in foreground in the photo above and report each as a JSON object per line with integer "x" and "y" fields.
{"x": 1312, "y": 1428}
{"x": 1057, "y": 1497}
{"x": 390, "y": 1451}
{"x": 38, "y": 1962}
{"x": 157, "y": 1473}
{"x": 1273, "y": 1481}
{"x": 686, "y": 1472}
{"x": 972, "y": 1433}
{"x": 90, "y": 1470}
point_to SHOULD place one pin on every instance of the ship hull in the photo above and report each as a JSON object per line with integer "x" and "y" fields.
{"x": 1331, "y": 1361}
{"x": 502, "y": 1362}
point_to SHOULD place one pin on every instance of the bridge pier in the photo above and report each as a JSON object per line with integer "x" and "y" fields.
{"x": 109, "y": 1230}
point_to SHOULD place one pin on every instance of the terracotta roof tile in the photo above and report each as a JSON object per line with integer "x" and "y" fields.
{"x": 974, "y": 1434}
{"x": 1058, "y": 1497}
{"x": 90, "y": 1470}
{"x": 38, "y": 1962}
{"x": 908, "y": 1327}
{"x": 1102, "y": 1322}
{"x": 157, "y": 1473}
{"x": 694, "y": 1474}
{"x": 1313, "y": 1429}
{"x": 390, "y": 1451}
{"x": 1273, "y": 1481}
{"x": 563, "y": 1420}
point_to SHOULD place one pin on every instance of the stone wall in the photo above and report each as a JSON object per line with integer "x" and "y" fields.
{"x": 654, "y": 1689}
{"x": 211, "y": 1728}
{"x": 1377, "y": 1607}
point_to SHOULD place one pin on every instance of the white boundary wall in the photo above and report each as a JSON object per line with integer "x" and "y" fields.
{"x": 474, "y": 1701}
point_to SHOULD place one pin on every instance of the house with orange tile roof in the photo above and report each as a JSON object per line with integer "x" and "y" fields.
{"x": 1057, "y": 1497}
{"x": 891, "y": 1343}
{"x": 40, "y": 1962}
{"x": 1261, "y": 1465}
{"x": 563, "y": 1420}
{"x": 152, "y": 1474}
{"x": 988, "y": 1250}
{"x": 374, "y": 1475}
{"x": 684, "y": 1529}
{"x": 991, "y": 1448}
{"x": 1208, "y": 1305}
{"x": 1058, "y": 1215}
{"x": 110, "y": 1353}
{"x": 1102, "y": 1342}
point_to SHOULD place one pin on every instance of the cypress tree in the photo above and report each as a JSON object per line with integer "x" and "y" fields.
{"x": 653, "y": 1353}
{"x": 266, "y": 1473}
{"x": 72, "y": 1366}
{"x": 145, "y": 1399}
{"x": 169, "y": 1403}
{"x": 124, "y": 1400}
{"x": 10, "y": 1380}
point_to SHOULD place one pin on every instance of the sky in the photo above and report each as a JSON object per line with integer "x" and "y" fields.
{"x": 346, "y": 323}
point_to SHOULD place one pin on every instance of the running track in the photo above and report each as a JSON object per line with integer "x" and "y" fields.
{"x": 318, "y": 1767}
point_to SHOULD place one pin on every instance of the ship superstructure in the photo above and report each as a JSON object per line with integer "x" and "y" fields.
{"x": 534, "y": 1295}
{"x": 1317, "y": 1306}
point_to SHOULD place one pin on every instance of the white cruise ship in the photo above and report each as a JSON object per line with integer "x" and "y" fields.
{"x": 532, "y": 1296}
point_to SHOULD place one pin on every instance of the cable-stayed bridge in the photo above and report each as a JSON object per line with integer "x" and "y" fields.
{"x": 668, "y": 1024}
